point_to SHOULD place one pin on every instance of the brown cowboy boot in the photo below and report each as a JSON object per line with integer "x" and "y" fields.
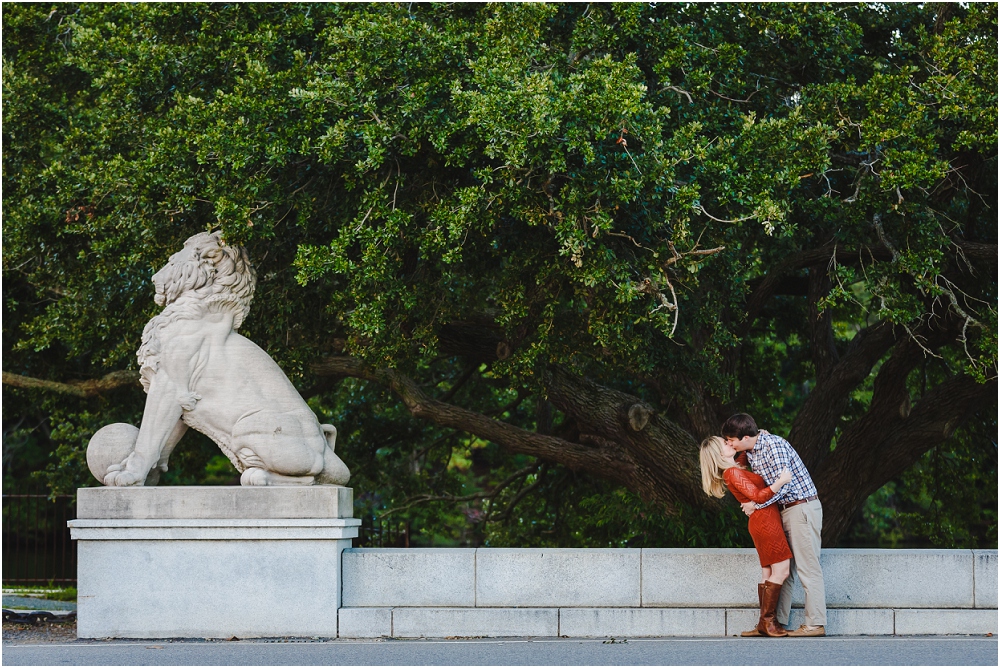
{"x": 768, "y": 624}
{"x": 754, "y": 633}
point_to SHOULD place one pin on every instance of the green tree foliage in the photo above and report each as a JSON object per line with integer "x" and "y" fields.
{"x": 702, "y": 208}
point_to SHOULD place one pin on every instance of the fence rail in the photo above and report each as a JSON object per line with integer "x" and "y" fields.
{"x": 36, "y": 544}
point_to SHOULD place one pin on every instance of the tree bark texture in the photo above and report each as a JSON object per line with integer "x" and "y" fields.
{"x": 663, "y": 457}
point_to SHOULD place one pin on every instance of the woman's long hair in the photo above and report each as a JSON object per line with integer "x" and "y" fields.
{"x": 712, "y": 467}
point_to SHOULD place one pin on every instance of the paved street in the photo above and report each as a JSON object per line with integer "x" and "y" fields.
{"x": 918, "y": 651}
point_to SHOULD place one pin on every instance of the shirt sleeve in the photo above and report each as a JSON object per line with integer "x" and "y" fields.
{"x": 780, "y": 459}
{"x": 741, "y": 483}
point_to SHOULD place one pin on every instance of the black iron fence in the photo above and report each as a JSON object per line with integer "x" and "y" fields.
{"x": 36, "y": 545}
{"x": 378, "y": 533}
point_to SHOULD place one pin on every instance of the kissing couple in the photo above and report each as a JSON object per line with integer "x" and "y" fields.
{"x": 768, "y": 478}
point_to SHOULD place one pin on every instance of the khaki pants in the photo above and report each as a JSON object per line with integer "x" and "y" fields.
{"x": 803, "y": 524}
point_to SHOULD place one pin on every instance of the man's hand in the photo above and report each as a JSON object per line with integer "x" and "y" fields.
{"x": 749, "y": 507}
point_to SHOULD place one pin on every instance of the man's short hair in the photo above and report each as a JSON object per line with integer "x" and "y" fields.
{"x": 738, "y": 426}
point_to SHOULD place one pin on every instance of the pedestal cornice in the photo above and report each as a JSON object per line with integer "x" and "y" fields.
{"x": 217, "y": 503}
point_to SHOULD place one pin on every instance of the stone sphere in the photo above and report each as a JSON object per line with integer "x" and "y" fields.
{"x": 110, "y": 445}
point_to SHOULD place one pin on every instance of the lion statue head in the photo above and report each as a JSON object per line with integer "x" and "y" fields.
{"x": 206, "y": 275}
{"x": 207, "y": 267}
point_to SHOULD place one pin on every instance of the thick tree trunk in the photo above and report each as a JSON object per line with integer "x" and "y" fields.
{"x": 892, "y": 434}
{"x": 886, "y": 441}
{"x": 663, "y": 457}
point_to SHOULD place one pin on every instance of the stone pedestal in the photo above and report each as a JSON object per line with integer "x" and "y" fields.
{"x": 211, "y": 562}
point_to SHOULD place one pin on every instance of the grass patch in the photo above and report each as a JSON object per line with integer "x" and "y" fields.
{"x": 68, "y": 594}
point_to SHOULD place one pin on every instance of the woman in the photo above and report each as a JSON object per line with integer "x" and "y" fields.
{"x": 720, "y": 470}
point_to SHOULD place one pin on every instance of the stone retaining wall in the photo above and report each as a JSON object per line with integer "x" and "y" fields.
{"x": 251, "y": 562}
{"x": 415, "y": 592}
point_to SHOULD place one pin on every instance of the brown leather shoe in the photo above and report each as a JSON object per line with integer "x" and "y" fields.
{"x": 768, "y": 624}
{"x": 806, "y": 631}
{"x": 754, "y": 633}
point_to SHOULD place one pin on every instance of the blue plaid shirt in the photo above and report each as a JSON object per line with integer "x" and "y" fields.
{"x": 769, "y": 457}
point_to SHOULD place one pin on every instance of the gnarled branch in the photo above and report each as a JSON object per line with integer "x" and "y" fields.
{"x": 977, "y": 251}
{"x": 619, "y": 437}
{"x": 79, "y": 388}
{"x": 664, "y": 456}
{"x": 596, "y": 461}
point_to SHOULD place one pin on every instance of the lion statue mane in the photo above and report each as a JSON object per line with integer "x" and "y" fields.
{"x": 199, "y": 373}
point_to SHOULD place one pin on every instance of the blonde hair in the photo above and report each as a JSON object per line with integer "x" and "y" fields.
{"x": 712, "y": 467}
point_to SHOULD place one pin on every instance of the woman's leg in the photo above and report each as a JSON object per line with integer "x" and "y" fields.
{"x": 778, "y": 572}
{"x": 766, "y": 573}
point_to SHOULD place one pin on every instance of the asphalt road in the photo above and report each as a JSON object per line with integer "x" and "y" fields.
{"x": 915, "y": 651}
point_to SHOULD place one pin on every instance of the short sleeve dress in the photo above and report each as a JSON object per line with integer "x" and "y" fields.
{"x": 765, "y": 523}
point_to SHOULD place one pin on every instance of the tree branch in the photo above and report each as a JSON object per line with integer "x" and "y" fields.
{"x": 929, "y": 422}
{"x": 816, "y": 422}
{"x": 78, "y": 388}
{"x": 822, "y": 344}
{"x": 627, "y": 442}
{"x": 572, "y": 455}
{"x": 978, "y": 251}
{"x": 766, "y": 286}
{"x": 892, "y": 434}
{"x": 480, "y": 341}
{"x": 457, "y": 385}
{"x": 891, "y": 402}
{"x": 523, "y": 492}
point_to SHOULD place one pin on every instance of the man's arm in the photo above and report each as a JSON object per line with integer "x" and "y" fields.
{"x": 779, "y": 459}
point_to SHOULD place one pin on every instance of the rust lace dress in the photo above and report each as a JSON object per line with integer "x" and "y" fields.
{"x": 765, "y": 523}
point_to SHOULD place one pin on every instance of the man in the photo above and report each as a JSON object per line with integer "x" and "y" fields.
{"x": 801, "y": 516}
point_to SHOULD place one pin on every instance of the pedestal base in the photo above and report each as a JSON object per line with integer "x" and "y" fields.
{"x": 155, "y": 563}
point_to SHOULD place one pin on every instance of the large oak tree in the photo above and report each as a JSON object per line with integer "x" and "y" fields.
{"x": 633, "y": 219}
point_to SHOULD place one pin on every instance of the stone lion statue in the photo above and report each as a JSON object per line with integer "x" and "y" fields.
{"x": 199, "y": 373}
